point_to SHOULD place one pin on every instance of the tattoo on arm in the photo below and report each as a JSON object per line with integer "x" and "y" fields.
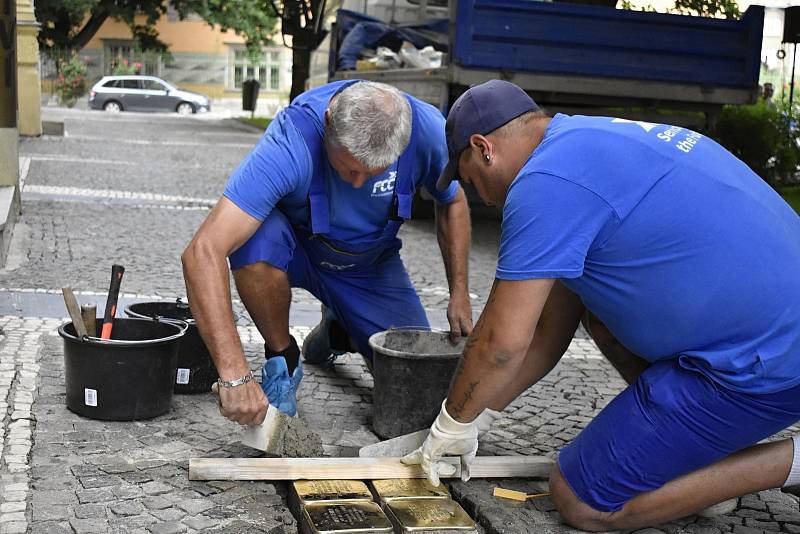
{"x": 457, "y": 409}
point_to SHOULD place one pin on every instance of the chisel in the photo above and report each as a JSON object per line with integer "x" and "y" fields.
{"x": 111, "y": 302}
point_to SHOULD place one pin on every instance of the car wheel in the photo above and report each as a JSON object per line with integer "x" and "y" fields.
{"x": 185, "y": 108}
{"x": 112, "y": 106}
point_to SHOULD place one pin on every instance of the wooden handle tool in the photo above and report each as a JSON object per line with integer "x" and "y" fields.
{"x": 74, "y": 311}
{"x": 111, "y": 302}
{"x": 517, "y": 495}
{"x": 89, "y": 315}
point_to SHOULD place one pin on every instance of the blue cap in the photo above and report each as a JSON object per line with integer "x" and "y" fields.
{"x": 480, "y": 110}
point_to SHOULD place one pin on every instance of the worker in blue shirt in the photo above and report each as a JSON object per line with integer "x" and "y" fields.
{"x": 317, "y": 204}
{"x": 683, "y": 265}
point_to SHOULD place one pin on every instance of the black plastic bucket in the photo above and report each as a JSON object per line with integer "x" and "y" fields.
{"x": 412, "y": 371}
{"x": 124, "y": 378}
{"x": 196, "y": 370}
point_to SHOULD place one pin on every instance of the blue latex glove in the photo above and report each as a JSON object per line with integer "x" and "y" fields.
{"x": 278, "y": 386}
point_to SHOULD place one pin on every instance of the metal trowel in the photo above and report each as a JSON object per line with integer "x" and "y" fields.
{"x": 395, "y": 447}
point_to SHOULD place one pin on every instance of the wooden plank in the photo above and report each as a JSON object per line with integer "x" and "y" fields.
{"x": 357, "y": 468}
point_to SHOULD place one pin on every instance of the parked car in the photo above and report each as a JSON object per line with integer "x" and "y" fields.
{"x": 144, "y": 93}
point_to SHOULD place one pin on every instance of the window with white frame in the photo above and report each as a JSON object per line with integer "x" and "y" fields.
{"x": 264, "y": 68}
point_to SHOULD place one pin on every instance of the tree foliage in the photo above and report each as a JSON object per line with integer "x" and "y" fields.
{"x": 708, "y": 8}
{"x": 70, "y": 24}
{"x": 703, "y": 8}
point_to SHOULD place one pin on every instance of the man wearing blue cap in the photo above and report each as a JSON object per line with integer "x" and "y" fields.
{"x": 318, "y": 204}
{"x": 683, "y": 265}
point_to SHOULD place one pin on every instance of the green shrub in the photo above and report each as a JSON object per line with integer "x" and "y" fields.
{"x": 123, "y": 67}
{"x": 761, "y": 136}
{"x": 71, "y": 82}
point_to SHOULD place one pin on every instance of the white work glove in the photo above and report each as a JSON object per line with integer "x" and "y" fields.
{"x": 485, "y": 420}
{"x": 447, "y": 436}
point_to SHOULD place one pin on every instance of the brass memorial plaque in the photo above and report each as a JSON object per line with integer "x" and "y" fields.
{"x": 309, "y": 491}
{"x": 408, "y": 488}
{"x": 345, "y": 518}
{"x": 415, "y": 515}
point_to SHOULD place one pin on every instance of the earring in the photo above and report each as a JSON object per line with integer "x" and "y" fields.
{"x": 488, "y": 157}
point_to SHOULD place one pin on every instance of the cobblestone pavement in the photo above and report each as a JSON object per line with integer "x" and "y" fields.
{"x": 132, "y": 190}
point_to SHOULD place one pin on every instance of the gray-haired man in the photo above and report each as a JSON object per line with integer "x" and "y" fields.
{"x": 317, "y": 204}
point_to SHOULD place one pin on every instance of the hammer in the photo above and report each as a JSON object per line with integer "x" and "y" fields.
{"x": 111, "y": 302}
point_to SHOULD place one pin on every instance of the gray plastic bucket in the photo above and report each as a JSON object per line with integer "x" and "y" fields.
{"x": 412, "y": 369}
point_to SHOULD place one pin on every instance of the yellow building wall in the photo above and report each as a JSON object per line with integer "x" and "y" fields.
{"x": 189, "y": 35}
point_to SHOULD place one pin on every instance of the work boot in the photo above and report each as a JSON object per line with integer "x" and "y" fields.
{"x": 280, "y": 387}
{"x": 327, "y": 341}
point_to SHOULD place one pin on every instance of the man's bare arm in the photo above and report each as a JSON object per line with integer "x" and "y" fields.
{"x": 205, "y": 270}
{"x": 453, "y": 233}
{"x": 497, "y": 348}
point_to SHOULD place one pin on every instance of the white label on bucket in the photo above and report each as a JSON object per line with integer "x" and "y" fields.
{"x": 183, "y": 376}
{"x": 90, "y": 397}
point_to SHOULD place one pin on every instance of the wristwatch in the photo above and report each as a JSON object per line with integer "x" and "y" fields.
{"x": 237, "y": 382}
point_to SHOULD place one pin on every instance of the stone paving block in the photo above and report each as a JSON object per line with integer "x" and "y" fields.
{"x": 169, "y": 514}
{"x": 200, "y": 522}
{"x": 136, "y": 477}
{"x": 156, "y": 488}
{"x": 14, "y": 527}
{"x": 772, "y": 526}
{"x": 131, "y": 523}
{"x": 50, "y": 512}
{"x": 196, "y": 506}
{"x": 100, "y": 481}
{"x": 793, "y": 518}
{"x": 89, "y": 526}
{"x": 11, "y": 507}
{"x": 127, "y": 491}
{"x": 89, "y": 496}
{"x": 754, "y": 514}
{"x": 90, "y": 511}
{"x": 51, "y": 527}
{"x": 170, "y": 527}
{"x": 156, "y": 503}
{"x": 127, "y": 508}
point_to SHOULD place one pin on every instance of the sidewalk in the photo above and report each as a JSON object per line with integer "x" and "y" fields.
{"x": 132, "y": 190}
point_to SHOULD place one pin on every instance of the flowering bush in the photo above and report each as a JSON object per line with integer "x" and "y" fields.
{"x": 126, "y": 68}
{"x": 71, "y": 82}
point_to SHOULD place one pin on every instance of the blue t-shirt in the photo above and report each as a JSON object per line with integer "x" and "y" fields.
{"x": 676, "y": 245}
{"x": 277, "y": 173}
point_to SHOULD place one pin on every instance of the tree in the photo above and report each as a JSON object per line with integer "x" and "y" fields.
{"x": 71, "y": 24}
{"x": 708, "y": 8}
{"x": 302, "y": 20}
{"x": 702, "y": 8}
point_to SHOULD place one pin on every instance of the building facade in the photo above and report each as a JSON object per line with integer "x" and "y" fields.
{"x": 200, "y": 58}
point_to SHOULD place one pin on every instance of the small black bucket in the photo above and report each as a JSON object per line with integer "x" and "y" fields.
{"x": 196, "y": 370}
{"x": 124, "y": 378}
{"x": 412, "y": 371}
